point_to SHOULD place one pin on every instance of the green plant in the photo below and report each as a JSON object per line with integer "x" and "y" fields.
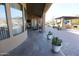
{"x": 56, "y": 41}
{"x": 50, "y": 33}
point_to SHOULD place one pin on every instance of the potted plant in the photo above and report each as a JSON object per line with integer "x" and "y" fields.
{"x": 40, "y": 29}
{"x": 49, "y": 35}
{"x": 56, "y": 44}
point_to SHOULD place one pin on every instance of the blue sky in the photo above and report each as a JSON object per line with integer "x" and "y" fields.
{"x": 2, "y": 12}
{"x": 14, "y": 12}
{"x": 62, "y": 9}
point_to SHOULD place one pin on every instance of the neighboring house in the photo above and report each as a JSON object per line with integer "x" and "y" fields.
{"x": 68, "y": 22}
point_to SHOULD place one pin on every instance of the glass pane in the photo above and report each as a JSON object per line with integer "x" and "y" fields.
{"x": 17, "y": 21}
{"x": 4, "y": 32}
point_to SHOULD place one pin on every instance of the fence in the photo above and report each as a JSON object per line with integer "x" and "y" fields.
{"x": 4, "y": 33}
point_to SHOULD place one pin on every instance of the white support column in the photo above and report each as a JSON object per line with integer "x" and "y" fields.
{"x": 43, "y": 22}
{"x": 23, "y": 17}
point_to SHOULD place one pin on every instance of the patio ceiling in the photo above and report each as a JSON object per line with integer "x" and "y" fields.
{"x": 35, "y": 9}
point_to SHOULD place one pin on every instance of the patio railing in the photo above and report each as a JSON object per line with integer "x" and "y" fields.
{"x": 4, "y": 33}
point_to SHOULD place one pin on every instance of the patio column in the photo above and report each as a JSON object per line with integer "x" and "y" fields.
{"x": 43, "y": 21}
{"x": 38, "y": 22}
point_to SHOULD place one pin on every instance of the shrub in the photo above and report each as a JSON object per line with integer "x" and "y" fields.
{"x": 50, "y": 33}
{"x": 56, "y": 41}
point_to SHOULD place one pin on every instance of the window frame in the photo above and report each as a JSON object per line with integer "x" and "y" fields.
{"x": 22, "y": 18}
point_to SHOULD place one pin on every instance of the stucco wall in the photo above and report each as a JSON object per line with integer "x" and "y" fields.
{"x": 11, "y": 43}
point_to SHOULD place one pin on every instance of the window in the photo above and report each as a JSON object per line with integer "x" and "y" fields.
{"x": 17, "y": 18}
{"x": 4, "y": 31}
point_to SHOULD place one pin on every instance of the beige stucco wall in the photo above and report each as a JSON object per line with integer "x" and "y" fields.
{"x": 46, "y": 8}
{"x": 12, "y": 42}
{"x": 9, "y": 44}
